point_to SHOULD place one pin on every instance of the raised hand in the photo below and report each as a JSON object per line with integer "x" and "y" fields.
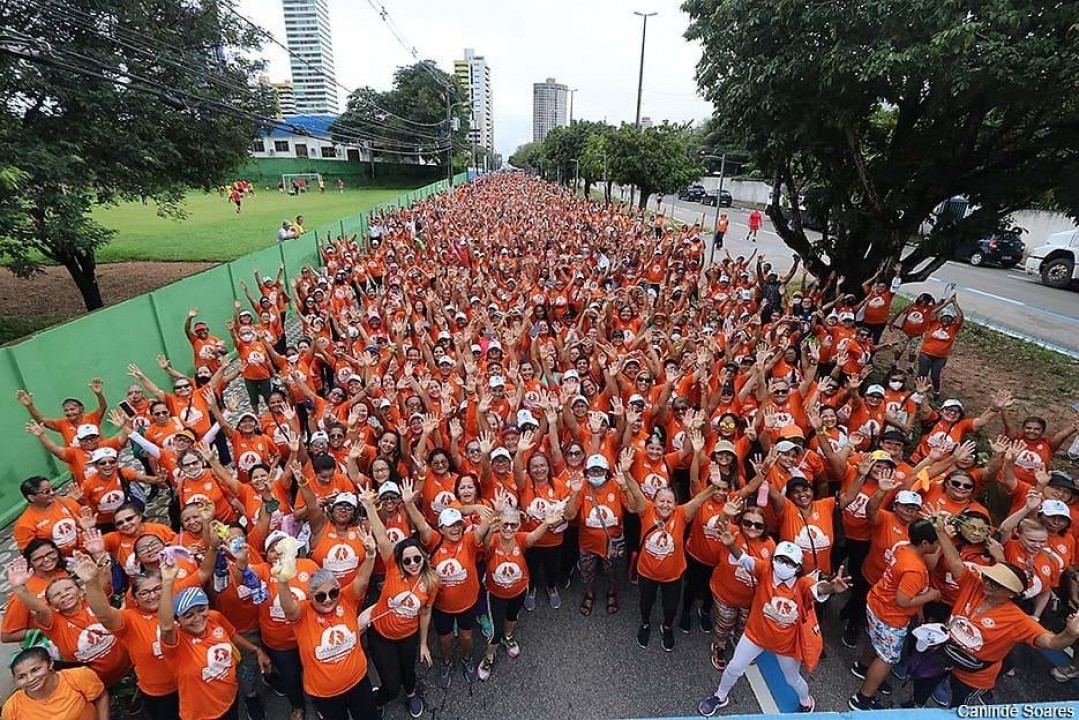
{"x": 922, "y": 384}
{"x": 35, "y": 428}
{"x": 408, "y": 490}
{"x": 487, "y": 442}
{"x": 457, "y": 430}
{"x": 1000, "y": 444}
{"x": 18, "y": 572}
{"x": 84, "y": 567}
{"x": 97, "y": 385}
{"x": 625, "y": 459}
{"x": 526, "y": 443}
{"x": 93, "y": 542}
{"x": 24, "y": 397}
{"x": 1001, "y": 399}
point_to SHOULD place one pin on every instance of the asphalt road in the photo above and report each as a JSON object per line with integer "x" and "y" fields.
{"x": 1008, "y": 300}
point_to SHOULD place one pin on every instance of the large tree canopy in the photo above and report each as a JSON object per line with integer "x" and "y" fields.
{"x": 408, "y": 119}
{"x": 114, "y": 100}
{"x": 874, "y": 112}
{"x": 656, "y": 160}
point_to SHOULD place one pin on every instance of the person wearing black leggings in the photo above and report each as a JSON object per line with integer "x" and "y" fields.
{"x": 663, "y": 530}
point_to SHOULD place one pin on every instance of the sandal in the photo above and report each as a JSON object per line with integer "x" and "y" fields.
{"x": 586, "y": 604}
{"x": 612, "y": 603}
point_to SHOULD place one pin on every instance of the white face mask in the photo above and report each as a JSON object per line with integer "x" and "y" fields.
{"x": 896, "y": 384}
{"x": 596, "y": 480}
{"x": 784, "y": 572}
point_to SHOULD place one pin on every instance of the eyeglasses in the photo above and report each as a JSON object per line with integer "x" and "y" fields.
{"x": 107, "y": 463}
{"x": 961, "y": 485}
{"x": 412, "y": 560}
{"x": 472, "y": 449}
{"x": 45, "y": 491}
{"x": 510, "y": 525}
{"x": 148, "y": 592}
{"x": 328, "y": 596}
{"x": 750, "y": 525}
{"x": 783, "y": 560}
{"x": 337, "y": 436}
{"x": 50, "y": 555}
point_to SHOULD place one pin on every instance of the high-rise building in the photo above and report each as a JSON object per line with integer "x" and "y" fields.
{"x": 307, "y": 30}
{"x": 549, "y": 108}
{"x": 282, "y": 94}
{"x": 474, "y": 75}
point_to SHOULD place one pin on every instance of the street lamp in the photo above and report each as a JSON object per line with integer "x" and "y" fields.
{"x": 576, "y": 174}
{"x": 640, "y": 79}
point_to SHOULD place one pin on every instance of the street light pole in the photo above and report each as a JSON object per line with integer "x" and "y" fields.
{"x": 576, "y": 174}
{"x": 640, "y": 82}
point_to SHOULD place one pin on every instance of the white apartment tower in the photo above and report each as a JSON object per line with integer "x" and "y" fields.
{"x": 307, "y": 31}
{"x": 474, "y": 74}
{"x": 548, "y": 108}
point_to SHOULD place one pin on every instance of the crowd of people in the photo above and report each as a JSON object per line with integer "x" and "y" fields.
{"x": 511, "y": 390}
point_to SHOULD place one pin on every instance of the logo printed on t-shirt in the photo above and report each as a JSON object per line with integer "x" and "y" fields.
{"x": 507, "y": 574}
{"x": 218, "y": 662}
{"x": 336, "y": 642}
{"x": 94, "y": 642}
{"x": 341, "y": 559}
{"x": 659, "y": 544}
{"x": 782, "y": 610}
{"x": 966, "y": 633}
{"x": 64, "y": 532}
{"x": 405, "y": 604}
{"x": 451, "y": 571}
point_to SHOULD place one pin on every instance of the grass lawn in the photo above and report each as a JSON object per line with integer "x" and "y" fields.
{"x": 213, "y": 232}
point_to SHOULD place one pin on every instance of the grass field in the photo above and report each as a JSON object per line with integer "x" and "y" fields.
{"x": 213, "y": 232}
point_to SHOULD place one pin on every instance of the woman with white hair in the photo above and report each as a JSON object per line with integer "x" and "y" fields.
{"x": 507, "y": 577}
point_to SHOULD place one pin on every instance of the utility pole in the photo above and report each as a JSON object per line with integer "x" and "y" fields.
{"x": 640, "y": 81}
{"x": 449, "y": 138}
{"x": 719, "y": 191}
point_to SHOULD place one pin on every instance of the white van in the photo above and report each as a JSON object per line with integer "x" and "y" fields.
{"x": 1057, "y": 261}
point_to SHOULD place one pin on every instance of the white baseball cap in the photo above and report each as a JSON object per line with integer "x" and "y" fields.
{"x": 346, "y": 498}
{"x": 87, "y": 430}
{"x": 497, "y": 381}
{"x": 789, "y": 550}
{"x": 446, "y": 360}
{"x": 908, "y": 497}
{"x": 273, "y": 538}
{"x": 951, "y": 402}
{"x": 450, "y": 516}
{"x": 1049, "y": 508}
{"x": 319, "y": 436}
{"x": 571, "y": 374}
{"x": 501, "y": 452}
{"x": 875, "y": 390}
{"x": 525, "y": 417}
{"x": 637, "y": 398}
{"x": 102, "y": 454}
{"x": 785, "y": 446}
{"x": 389, "y": 488}
{"x": 597, "y": 461}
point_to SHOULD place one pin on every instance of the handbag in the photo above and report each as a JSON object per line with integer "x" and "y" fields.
{"x": 616, "y": 546}
{"x": 810, "y": 642}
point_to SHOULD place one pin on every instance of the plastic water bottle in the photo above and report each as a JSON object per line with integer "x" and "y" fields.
{"x": 762, "y": 494}
{"x": 221, "y": 572}
{"x": 1073, "y": 451}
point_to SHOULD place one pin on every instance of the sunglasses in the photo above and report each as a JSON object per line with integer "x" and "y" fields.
{"x": 328, "y": 596}
{"x": 126, "y": 520}
{"x": 574, "y": 453}
{"x": 510, "y": 526}
{"x": 162, "y": 413}
{"x": 749, "y": 524}
{"x": 182, "y": 386}
{"x": 412, "y": 560}
{"x": 961, "y": 485}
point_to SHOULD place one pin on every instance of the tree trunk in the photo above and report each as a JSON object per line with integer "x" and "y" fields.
{"x": 642, "y": 201}
{"x": 82, "y": 267}
{"x": 607, "y": 192}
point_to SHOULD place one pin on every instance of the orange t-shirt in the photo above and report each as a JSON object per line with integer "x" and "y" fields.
{"x": 437, "y": 495}
{"x": 939, "y": 339}
{"x": 507, "y": 571}
{"x": 400, "y": 604}
{"x": 58, "y": 522}
{"x": 141, "y": 635}
{"x": 703, "y": 544}
{"x": 815, "y": 534}
{"x": 601, "y": 517}
{"x": 888, "y": 535}
{"x": 122, "y": 547}
{"x": 330, "y": 652}
{"x": 340, "y": 553}
{"x": 73, "y": 699}
{"x": 777, "y": 609}
{"x": 732, "y": 583}
{"x": 80, "y": 637}
{"x": 877, "y": 307}
{"x": 250, "y": 451}
{"x": 67, "y": 429}
{"x": 988, "y": 636}
{"x": 459, "y": 582}
{"x": 205, "y": 669}
{"x": 206, "y": 489}
{"x": 663, "y": 551}
{"x": 254, "y": 359}
{"x": 907, "y": 574}
{"x": 16, "y": 615}
{"x": 105, "y": 496}
{"x": 536, "y": 500}
{"x": 277, "y": 632}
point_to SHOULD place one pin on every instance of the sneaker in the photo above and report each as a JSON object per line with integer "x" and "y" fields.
{"x": 809, "y": 707}
{"x": 1010, "y": 672}
{"x": 885, "y": 688}
{"x": 484, "y": 669}
{"x": 530, "y": 599}
{"x": 415, "y": 706}
{"x": 859, "y": 670}
{"x": 644, "y": 635}
{"x": 685, "y": 623}
{"x": 512, "y": 648}
{"x": 719, "y": 660}
{"x": 1064, "y": 673}
{"x": 554, "y": 599}
{"x": 850, "y": 635}
{"x": 470, "y": 671}
{"x": 710, "y": 704}
{"x": 486, "y": 626}
{"x": 445, "y": 676}
{"x": 667, "y": 636}
{"x": 901, "y": 670}
{"x": 942, "y": 695}
{"x": 857, "y": 702}
{"x": 704, "y": 620}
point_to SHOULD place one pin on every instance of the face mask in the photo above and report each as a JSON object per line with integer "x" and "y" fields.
{"x": 201, "y": 380}
{"x": 293, "y": 358}
{"x": 896, "y": 385}
{"x": 784, "y": 572}
{"x": 247, "y": 337}
{"x": 193, "y": 472}
{"x": 597, "y": 480}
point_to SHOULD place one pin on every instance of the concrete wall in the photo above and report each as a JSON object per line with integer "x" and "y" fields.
{"x": 1040, "y": 224}
{"x": 749, "y": 192}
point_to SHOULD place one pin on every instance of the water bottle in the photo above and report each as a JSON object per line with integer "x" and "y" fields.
{"x": 762, "y": 494}
{"x": 221, "y": 572}
{"x": 1073, "y": 451}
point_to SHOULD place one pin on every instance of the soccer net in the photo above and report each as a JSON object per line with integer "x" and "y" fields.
{"x": 295, "y": 183}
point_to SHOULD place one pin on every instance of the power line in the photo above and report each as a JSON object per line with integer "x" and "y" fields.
{"x": 384, "y": 15}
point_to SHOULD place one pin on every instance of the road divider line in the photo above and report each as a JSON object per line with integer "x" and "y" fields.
{"x": 1025, "y": 306}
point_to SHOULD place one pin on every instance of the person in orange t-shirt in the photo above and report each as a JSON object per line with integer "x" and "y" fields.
{"x": 401, "y": 620}
{"x": 42, "y": 693}
{"x": 986, "y": 623}
{"x": 43, "y": 557}
{"x": 328, "y": 628}
{"x": 507, "y": 577}
{"x": 892, "y": 603}
{"x": 940, "y": 334}
{"x": 782, "y": 599}
{"x": 75, "y": 414}
{"x": 136, "y": 627}
{"x": 806, "y": 522}
{"x": 202, "y": 646}
{"x": 46, "y": 517}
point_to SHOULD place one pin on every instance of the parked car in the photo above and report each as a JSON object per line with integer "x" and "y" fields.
{"x": 723, "y": 199}
{"x": 1057, "y": 261}
{"x": 693, "y": 193}
{"x": 1004, "y": 249}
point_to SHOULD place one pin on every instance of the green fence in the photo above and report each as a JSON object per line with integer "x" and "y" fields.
{"x": 58, "y": 362}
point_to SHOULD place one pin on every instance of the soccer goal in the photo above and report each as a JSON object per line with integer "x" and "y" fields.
{"x": 298, "y": 183}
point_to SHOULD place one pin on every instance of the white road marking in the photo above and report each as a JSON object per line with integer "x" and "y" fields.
{"x": 761, "y": 691}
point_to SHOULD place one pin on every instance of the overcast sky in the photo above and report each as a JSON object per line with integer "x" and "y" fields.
{"x": 591, "y": 45}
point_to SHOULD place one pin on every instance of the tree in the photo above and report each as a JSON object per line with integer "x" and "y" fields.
{"x": 151, "y": 105}
{"x": 527, "y": 156}
{"x": 656, "y": 160}
{"x": 594, "y": 161}
{"x": 873, "y": 114}
{"x": 410, "y": 118}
